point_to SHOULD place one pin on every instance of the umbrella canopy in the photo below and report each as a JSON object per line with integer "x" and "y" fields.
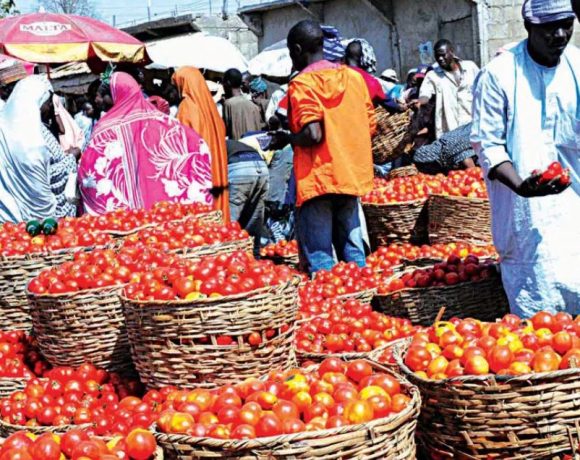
{"x": 57, "y": 38}
{"x": 272, "y": 61}
{"x": 197, "y": 50}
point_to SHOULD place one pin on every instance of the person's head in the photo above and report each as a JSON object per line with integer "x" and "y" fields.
{"x": 103, "y": 98}
{"x": 171, "y": 94}
{"x": 232, "y": 81}
{"x": 353, "y": 54}
{"x": 246, "y": 80}
{"x": 550, "y": 26}
{"x": 305, "y": 43}
{"x": 47, "y": 114}
{"x": 411, "y": 78}
{"x": 88, "y": 109}
{"x": 258, "y": 87}
{"x": 445, "y": 54}
{"x": 390, "y": 75}
{"x": 274, "y": 123}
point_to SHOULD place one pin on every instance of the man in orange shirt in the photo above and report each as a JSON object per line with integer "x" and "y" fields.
{"x": 331, "y": 118}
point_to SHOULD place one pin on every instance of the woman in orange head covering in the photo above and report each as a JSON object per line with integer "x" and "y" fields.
{"x": 198, "y": 111}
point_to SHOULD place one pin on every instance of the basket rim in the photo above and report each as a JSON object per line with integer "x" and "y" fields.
{"x": 62, "y": 251}
{"x": 74, "y": 294}
{"x": 410, "y": 412}
{"x": 383, "y": 205}
{"x": 459, "y": 198}
{"x": 347, "y": 356}
{"x": 483, "y": 380}
{"x": 210, "y": 300}
{"x": 188, "y": 249}
{"x": 43, "y": 427}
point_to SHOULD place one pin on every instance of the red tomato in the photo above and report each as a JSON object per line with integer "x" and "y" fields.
{"x": 141, "y": 444}
{"x": 269, "y": 425}
{"x": 358, "y": 370}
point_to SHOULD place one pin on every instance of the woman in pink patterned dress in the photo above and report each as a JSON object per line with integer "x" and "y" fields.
{"x": 138, "y": 156}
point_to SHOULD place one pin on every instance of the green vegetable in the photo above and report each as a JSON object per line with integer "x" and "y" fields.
{"x": 49, "y": 226}
{"x": 33, "y": 227}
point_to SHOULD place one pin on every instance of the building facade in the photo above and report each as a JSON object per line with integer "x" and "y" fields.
{"x": 402, "y": 32}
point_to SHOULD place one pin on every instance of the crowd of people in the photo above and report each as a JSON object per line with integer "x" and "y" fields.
{"x": 293, "y": 159}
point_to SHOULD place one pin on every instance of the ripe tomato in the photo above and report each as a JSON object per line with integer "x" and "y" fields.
{"x": 358, "y": 370}
{"x": 46, "y": 447}
{"x": 243, "y": 431}
{"x": 545, "y": 361}
{"x": 358, "y": 412}
{"x": 499, "y": 358}
{"x": 332, "y": 365}
{"x": 542, "y": 320}
{"x": 255, "y": 339}
{"x": 476, "y": 365}
{"x": 141, "y": 444}
{"x": 269, "y": 425}
{"x": 418, "y": 358}
{"x": 286, "y": 410}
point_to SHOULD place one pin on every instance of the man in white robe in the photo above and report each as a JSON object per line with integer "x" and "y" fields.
{"x": 526, "y": 115}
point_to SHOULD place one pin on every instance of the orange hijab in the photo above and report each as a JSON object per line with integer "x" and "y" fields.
{"x": 198, "y": 111}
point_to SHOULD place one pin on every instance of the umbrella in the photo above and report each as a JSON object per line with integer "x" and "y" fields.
{"x": 274, "y": 60}
{"x": 197, "y": 50}
{"x": 57, "y": 38}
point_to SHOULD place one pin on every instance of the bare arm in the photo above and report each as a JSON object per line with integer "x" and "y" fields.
{"x": 309, "y": 136}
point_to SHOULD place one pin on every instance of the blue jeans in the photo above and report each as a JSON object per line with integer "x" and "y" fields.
{"x": 249, "y": 183}
{"x": 330, "y": 222}
{"x": 280, "y": 171}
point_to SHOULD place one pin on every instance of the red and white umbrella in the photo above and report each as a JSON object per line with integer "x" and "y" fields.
{"x": 57, "y": 38}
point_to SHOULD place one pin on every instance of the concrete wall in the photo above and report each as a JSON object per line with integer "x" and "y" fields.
{"x": 232, "y": 29}
{"x": 364, "y": 21}
{"x": 419, "y": 21}
{"x": 505, "y": 25}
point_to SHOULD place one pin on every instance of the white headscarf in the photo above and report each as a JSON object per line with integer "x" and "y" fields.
{"x": 25, "y": 191}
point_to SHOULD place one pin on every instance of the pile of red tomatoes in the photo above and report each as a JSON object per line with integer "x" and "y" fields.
{"x": 337, "y": 394}
{"x": 511, "y": 346}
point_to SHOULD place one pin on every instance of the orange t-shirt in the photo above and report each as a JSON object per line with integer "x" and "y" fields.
{"x": 342, "y": 163}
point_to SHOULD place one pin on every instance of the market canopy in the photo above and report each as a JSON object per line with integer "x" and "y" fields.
{"x": 58, "y": 38}
{"x": 197, "y": 50}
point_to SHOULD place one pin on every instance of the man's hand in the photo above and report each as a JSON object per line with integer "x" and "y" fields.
{"x": 279, "y": 140}
{"x": 531, "y": 187}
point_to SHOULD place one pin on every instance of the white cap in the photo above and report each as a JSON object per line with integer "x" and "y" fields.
{"x": 390, "y": 74}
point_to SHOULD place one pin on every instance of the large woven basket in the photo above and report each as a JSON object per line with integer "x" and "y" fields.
{"x": 175, "y": 342}
{"x": 484, "y": 300}
{"x": 15, "y": 273}
{"x": 533, "y": 416}
{"x": 10, "y": 385}
{"x": 396, "y": 222}
{"x": 391, "y": 438}
{"x": 362, "y": 296}
{"x": 303, "y": 356}
{"x": 457, "y": 218}
{"x": 227, "y": 247}
{"x": 394, "y": 135}
{"x": 84, "y": 326}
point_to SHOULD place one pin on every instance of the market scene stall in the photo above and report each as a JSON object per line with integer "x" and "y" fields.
{"x": 294, "y": 255}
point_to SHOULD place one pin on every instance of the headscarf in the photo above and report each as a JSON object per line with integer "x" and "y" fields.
{"x": 258, "y": 85}
{"x": 368, "y": 59}
{"x": 138, "y": 156}
{"x": 198, "y": 110}
{"x": 73, "y": 136}
{"x": 332, "y": 46}
{"x": 160, "y": 104}
{"x": 25, "y": 191}
{"x": 544, "y": 11}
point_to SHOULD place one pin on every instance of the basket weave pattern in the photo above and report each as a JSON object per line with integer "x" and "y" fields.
{"x": 394, "y": 135}
{"x": 396, "y": 222}
{"x": 15, "y": 273}
{"x": 7, "y": 429}
{"x": 227, "y": 247}
{"x": 85, "y": 326}
{"x": 484, "y": 300}
{"x": 165, "y": 337}
{"x": 405, "y": 171}
{"x": 532, "y": 416}
{"x": 10, "y": 385}
{"x": 456, "y": 218}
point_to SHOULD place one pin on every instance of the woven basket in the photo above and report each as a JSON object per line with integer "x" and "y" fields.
{"x": 84, "y": 326}
{"x": 292, "y": 261}
{"x": 7, "y": 429}
{"x": 457, "y": 218}
{"x": 9, "y": 386}
{"x": 165, "y": 337}
{"x": 15, "y": 273}
{"x": 396, "y": 222}
{"x": 365, "y": 296}
{"x": 484, "y": 300}
{"x": 303, "y": 356}
{"x": 394, "y": 135}
{"x": 533, "y": 416}
{"x": 391, "y": 438}
{"x": 245, "y": 244}
{"x": 405, "y": 171}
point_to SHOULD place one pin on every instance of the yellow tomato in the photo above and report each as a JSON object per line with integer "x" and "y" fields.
{"x": 433, "y": 349}
{"x": 370, "y": 391}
